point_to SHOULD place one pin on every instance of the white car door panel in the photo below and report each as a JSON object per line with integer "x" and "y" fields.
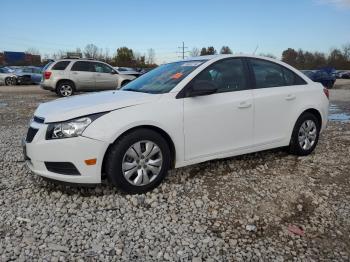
{"x": 218, "y": 123}
{"x": 278, "y": 93}
{"x": 104, "y": 76}
{"x": 82, "y": 75}
{"x": 274, "y": 108}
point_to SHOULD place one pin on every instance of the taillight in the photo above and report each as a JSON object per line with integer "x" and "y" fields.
{"x": 326, "y": 92}
{"x": 47, "y": 74}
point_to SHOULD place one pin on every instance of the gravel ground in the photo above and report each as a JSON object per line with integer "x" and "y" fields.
{"x": 237, "y": 209}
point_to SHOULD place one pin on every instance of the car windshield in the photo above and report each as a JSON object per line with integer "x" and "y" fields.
{"x": 163, "y": 78}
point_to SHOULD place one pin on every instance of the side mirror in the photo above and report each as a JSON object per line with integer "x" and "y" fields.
{"x": 202, "y": 88}
{"x": 114, "y": 72}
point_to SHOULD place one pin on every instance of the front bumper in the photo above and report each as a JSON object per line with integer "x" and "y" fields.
{"x": 73, "y": 150}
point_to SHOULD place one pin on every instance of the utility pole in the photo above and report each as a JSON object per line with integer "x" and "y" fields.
{"x": 182, "y": 48}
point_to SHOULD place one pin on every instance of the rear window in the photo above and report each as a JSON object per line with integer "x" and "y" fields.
{"x": 82, "y": 66}
{"x": 60, "y": 65}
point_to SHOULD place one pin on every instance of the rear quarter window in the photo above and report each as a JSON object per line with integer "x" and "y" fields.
{"x": 268, "y": 74}
{"x": 62, "y": 65}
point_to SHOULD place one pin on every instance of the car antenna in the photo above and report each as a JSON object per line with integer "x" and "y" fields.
{"x": 256, "y": 48}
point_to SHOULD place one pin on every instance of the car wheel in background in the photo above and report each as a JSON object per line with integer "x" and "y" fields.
{"x": 305, "y": 135}
{"x": 138, "y": 161}
{"x": 65, "y": 89}
{"x": 9, "y": 81}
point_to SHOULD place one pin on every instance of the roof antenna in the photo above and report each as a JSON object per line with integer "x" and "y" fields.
{"x": 256, "y": 48}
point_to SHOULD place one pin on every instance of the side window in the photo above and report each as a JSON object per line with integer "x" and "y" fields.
{"x": 82, "y": 66}
{"x": 228, "y": 75}
{"x": 268, "y": 74}
{"x": 102, "y": 68}
{"x": 292, "y": 78}
{"x": 60, "y": 65}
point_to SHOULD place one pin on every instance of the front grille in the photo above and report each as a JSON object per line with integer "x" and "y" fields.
{"x": 63, "y": 168}
{"x": 31, "y": 134}
{"x": 39, "y": 120}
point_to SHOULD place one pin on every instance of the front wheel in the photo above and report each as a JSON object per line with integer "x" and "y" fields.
{"x": 9, "y": 81}
{"x": 138, "y": 161}
{"x": 305, "y": 135}
{"x": 125, "y": 82}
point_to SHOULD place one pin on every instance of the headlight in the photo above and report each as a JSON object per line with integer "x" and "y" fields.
{"x": 70, "y": 128}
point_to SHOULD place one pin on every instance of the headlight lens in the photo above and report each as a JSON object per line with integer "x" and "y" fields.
{"x": 70, "y": 128}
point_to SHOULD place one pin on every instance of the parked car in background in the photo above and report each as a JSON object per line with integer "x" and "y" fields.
{"x": 67, "y": 76}
{"x": 345, "y": 75}
{"x": 128, "y": 71}
{"x": 7, "y": 76}
{"x": 326, "y": 77}
{"x": 178, "y": 114}
{"x": 28, "y": 75}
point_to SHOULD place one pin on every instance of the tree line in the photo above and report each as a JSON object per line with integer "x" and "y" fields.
{"x": 124, "y": 56}
{"x": 337, "y": 58}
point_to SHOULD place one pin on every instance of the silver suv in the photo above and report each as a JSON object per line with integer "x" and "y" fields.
{"x": 67, "y": 76}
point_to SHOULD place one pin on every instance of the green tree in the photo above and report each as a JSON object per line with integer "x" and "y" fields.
{"x": 124, "y": 57}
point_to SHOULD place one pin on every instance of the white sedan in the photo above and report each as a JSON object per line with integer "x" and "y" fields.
{"x": 178, "y": 114}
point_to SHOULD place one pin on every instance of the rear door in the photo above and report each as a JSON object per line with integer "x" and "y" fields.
{"x": 105, "y": 76}
{"x": 83, "y": 76}
{"x": 277, "y": 95}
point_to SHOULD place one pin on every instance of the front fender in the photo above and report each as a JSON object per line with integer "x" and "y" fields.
{"x": 165, "y": 114}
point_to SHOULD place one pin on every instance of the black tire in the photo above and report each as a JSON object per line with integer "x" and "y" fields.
{"x": 9, "y": 81}
{"x": 294, "y": 146}
{"x": 125, "y": 82}
{"x": 65, "y": 89}
{"x": 115, "y": 156}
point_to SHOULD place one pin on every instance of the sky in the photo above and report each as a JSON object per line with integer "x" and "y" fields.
{"x": 270, "y": 25}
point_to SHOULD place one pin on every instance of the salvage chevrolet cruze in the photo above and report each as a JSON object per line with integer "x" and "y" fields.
{"x": 176, "y": 115}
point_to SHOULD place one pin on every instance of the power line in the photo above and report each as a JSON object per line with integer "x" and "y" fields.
{"x": 182, "y": 48}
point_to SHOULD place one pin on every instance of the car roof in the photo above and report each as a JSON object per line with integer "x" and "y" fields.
{"x": 211, "y": 57}
{"x": 80, "y": 59}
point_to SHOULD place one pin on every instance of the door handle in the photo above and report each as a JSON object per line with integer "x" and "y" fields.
{"x": 244, "y": 104}
{"x": 290, "y": 97}
{"x": 74, "y": 73}
{"x": 98, "y": 74}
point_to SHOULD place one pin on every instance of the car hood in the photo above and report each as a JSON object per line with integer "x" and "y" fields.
{"x": 82, "y": 105}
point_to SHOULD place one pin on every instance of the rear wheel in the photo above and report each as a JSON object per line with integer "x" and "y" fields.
{"x": 305, "y": 135}
{"x": 65, "y": 89}
{"x": 138, "y": 161}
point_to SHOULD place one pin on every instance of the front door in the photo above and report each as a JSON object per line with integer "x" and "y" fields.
{"x": 221, "y": 122}
{"x": 106, "y": 78}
